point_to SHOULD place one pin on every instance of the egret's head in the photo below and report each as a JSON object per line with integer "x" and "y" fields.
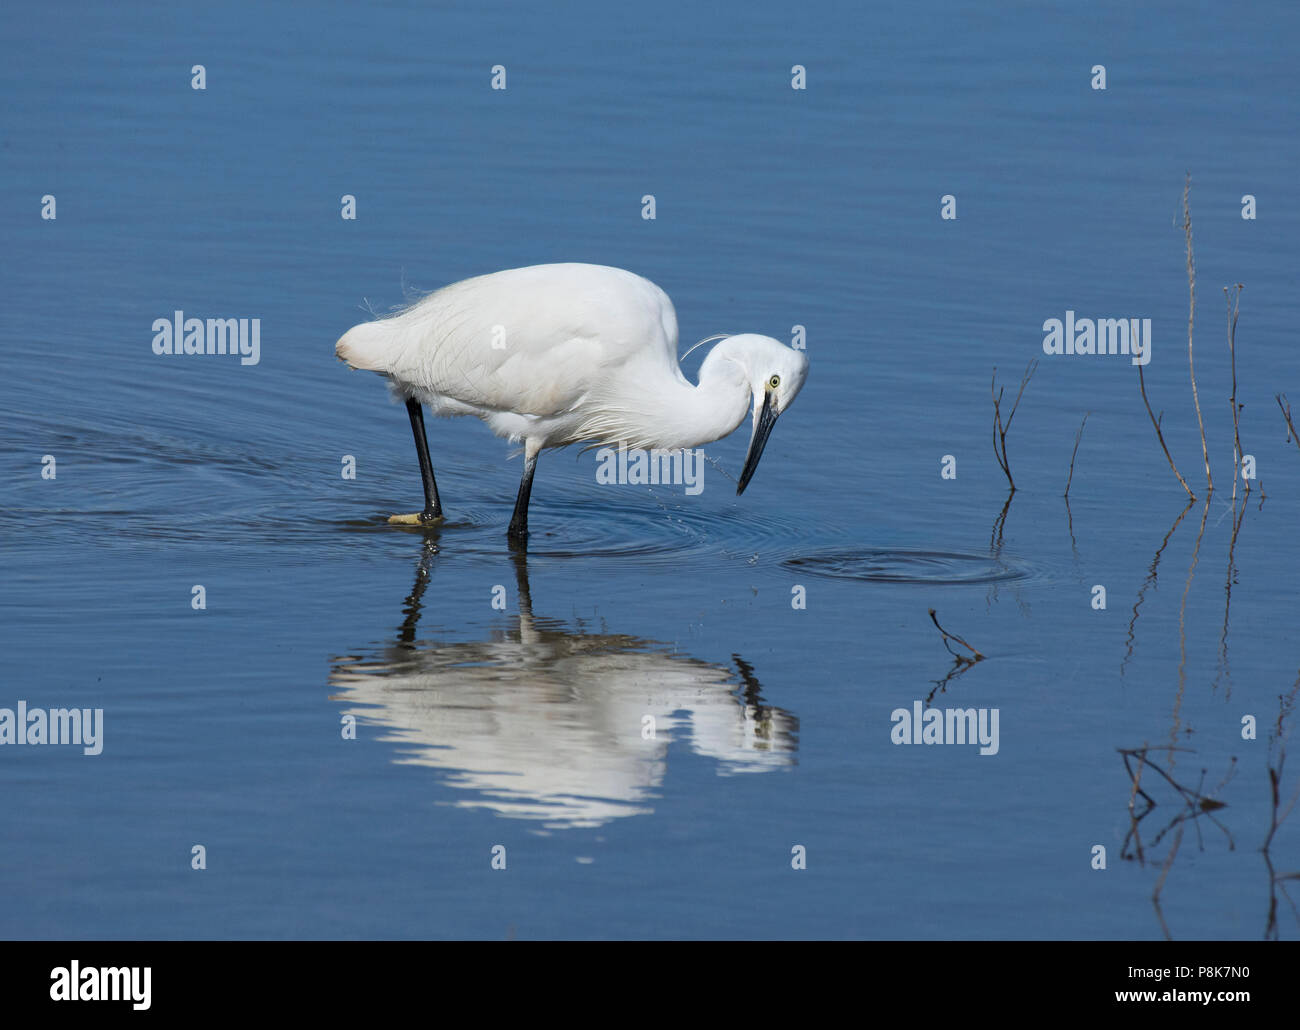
{"x": 775, "y": 374}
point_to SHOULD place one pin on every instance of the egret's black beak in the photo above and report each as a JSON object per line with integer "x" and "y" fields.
{"x": 766, "y": 420}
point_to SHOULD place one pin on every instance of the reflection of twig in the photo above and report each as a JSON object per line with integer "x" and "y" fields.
{"x": 1234, "y": 307}
{"x": 1136, "y": 777}
{"x": 1277, "y": 883}
{"x": 1182, "y": 629}
{"x": 1069, "y": 525}
{"x": 1275, "y": 780}
{"x": 995, "y": 546}
{"x": 1077, "y": 437}
{"x": 1277, "y": 759}
{"x": 1160, "y": 883}
{"x": 1191, "y": 313}
{"x": 1151, "y": 578}
{"x": 960, "y": 665}
{"x": 1195, "y": 804}
{"x": 999, "y": 524}
{"x": 1194, "y": 798}
{"x": 1285, "y": 405}
{"x": 1000, "y": 428}
{"x": 1238, "y": 517}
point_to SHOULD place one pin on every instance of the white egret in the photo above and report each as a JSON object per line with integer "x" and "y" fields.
{"x": 551, "y": 355}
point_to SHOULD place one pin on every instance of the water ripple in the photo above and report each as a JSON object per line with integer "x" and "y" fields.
{"x": 931, "y": 567}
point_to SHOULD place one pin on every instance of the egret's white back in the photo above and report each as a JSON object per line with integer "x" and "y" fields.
{"x": 581, "y": 321}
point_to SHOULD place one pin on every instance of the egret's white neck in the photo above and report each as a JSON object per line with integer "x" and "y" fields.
{"x": 693, "y": 415}
{"x": 670, "y": 412}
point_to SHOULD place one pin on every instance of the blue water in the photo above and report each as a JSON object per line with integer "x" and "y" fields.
{"x": 521, "y": 723}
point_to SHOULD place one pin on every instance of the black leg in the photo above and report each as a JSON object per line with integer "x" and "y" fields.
{"x": 432, "y": 506}
{"x": 519, "y": 523}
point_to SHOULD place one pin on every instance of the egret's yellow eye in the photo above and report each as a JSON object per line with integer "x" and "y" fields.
{"x": 774, "y": 382}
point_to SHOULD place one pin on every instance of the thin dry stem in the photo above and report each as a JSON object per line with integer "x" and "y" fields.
{"x": 1000, "y": 429}
{"x": 1285, "y": 405}
{"x": 1142, "y": 385}
{"x": 1191, "y": 314}
{"x": 952, "y": 636}
{"x": 1077, "y": 437}
{"x": 1234, "y": 308}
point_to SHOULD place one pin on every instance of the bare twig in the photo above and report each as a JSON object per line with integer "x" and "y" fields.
{"x": 1191, "y": 313}
{"x": 1000, "y": 429}
{"x": 1234, "y": 307}
{"x": 1077, "y": 437}
{"x": 1285, "y": 405}
{"x": 951, "y": 636}
{"x": 1161, "y": 436}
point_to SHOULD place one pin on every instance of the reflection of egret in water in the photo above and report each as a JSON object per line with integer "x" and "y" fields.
{"x": 543, "y": 722}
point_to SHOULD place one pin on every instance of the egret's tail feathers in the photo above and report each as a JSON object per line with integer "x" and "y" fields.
{"x": 365, "y": 346}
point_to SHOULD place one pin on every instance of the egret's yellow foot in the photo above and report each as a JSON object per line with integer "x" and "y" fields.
{"x": 413, "y": 520}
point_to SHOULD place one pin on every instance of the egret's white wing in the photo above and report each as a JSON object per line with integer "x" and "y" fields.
{"x": 534, "y": 340}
